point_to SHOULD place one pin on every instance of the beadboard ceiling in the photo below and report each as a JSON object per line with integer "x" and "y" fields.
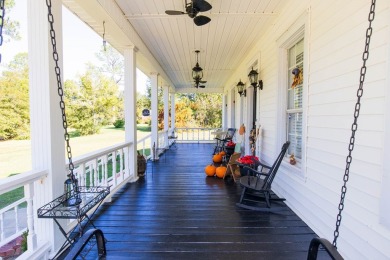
{"x": 234, "y": 30}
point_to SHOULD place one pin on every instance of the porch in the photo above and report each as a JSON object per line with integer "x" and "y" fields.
{"x": 176, "y": 212}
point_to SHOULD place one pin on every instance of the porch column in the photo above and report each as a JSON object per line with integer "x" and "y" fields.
{"x": 166, "y": 115}
{"x": 130, "y": 112}
{"x": 154, "y": 114}
{"x": 47, "y": 133}
{"x": 249, "y": 118}
{"x": 173, "y": 112}
{"x": 224, "y": 111}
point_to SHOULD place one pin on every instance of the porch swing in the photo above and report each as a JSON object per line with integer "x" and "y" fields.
{"x": 78, "y": 202}
{"x": 331, "y": 248}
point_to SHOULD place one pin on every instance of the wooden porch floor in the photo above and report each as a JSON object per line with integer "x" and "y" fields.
{"x": 176, "y": 212}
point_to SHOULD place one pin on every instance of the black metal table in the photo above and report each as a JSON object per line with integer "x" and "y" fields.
{"x": 91, "y": 197}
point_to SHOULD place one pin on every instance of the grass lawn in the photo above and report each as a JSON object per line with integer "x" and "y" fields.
{"x": 15, "y": 155}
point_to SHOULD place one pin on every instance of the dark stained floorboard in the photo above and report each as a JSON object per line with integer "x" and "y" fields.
{"x": 176, "y": 212}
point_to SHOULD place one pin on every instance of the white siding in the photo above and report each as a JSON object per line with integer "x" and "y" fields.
{"x": 335, "y": 32}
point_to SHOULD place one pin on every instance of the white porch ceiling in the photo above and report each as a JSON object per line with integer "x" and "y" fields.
{"x": 234, "y": 30}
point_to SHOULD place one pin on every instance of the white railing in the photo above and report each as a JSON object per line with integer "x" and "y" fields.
{"x": 144, "y": 144}
{"x": 162, "y": 139}
{"x": 105, "y": 167}
{"x": 19, "y": 216}
{"x": 197, "y": 135}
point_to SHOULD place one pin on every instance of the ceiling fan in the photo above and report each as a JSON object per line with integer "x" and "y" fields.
{"x": 192, "y": 9}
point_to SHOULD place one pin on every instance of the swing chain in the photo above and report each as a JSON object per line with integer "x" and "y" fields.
{"x": 60, "y": 89}
{"x": 354, "y": 124}
{"x": 2, "y": 13}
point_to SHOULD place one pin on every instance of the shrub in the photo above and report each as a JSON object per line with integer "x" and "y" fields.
{"x": 119, "y": 123}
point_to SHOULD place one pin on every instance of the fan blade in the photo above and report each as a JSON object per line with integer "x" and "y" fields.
{"x": 201, "y": 20}
{"x": 174, "y": 12}
{"x": 202, "y": 86}
{"x": 202, "y": 81}
{"x": 202, "y": 5}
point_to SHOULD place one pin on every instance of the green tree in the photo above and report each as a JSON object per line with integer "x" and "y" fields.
{"x": 14, "y": 100}
{"x": 92, "y": 103}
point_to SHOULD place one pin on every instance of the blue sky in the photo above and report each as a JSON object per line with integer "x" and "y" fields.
{"x": 79, "y": 47}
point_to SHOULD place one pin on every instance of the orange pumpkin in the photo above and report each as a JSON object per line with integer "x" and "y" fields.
{"x": 210, "y": 170}
{"x": 223, "y": 153}
{"x": 217, "y": 158}
{"x": 220, "y": 171}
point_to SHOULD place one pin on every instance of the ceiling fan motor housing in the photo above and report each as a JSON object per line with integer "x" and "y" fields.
{"x": 192, "y": 11}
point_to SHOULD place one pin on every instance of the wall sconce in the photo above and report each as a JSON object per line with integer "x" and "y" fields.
{"x": 253, "y": 76}
{"x": 241, "y": 88}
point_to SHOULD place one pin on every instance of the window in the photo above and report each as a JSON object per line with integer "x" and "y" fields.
{"x": 294, "y": 111}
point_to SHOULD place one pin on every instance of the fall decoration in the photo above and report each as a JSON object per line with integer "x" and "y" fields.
{"x": 220, "y": 171}
{"x": 210, "y": 170}
{"x": 292, "y": 160}
{"x": 247, "y": 159}
{"x": 241, "y": 131}
{"x": 230, "y": 144}
{"x": 217, "y": 158}
{"x": 298, "y": 77}
{"x": 223, "y": 153}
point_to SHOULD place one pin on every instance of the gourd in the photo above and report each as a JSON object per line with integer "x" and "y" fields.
{"x": 220, "y": 171}
{"x": 217, "y": 158}
{"x": 210, "y": 170}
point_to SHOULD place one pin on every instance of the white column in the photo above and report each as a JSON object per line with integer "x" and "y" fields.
{"x": 166, "y": 115}
{"x": 224, "y": 111}
{"x": 47, "y": 133}
{"x": 130, "y": 112}
{"x": 154, "y": 97}
{"x": 173, "y": 112}
{"x": 249, "y": 118}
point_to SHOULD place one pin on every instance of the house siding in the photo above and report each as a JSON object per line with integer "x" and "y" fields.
{"x": 334, "y": 42}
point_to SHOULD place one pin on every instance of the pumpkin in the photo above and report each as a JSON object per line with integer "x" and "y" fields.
{"x": 220, "y": 171}
{"x": 223, "y": 153}
{"x": 210, "y": 170}
{"x": 217, "y": 158}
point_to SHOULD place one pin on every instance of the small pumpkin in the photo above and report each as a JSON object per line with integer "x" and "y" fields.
{"x": 210, "y": 170}
{"x": 223, "y": 153}
{"x": 217, "y": 158}
{"x": 220, "y": 171}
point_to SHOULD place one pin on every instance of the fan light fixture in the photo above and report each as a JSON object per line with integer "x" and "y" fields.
{"x": 197, "y": 71}
{"x": 241, "y": 88}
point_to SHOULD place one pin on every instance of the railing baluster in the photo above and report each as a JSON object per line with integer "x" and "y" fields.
{"x": 32, "y": 237}
{"x": 2, "y": 233}
{"x": 17, "y": 228}
{"x": 105, "y": 182}
{"x": 115, "y": 181}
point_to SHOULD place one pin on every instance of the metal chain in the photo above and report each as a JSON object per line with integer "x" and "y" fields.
{"x": 2, "y": 13}
{"x": 363, "y": 71}
{"x": 60, "y": 89}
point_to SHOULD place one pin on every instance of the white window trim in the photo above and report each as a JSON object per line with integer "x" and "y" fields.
{"x": 300, "y": 29}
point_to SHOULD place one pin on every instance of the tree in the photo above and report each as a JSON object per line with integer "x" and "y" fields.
{"x": 199, "y": 110}
{"x": 112, "y": 63}
{"x": 92, "y": 103}
{"x": 10, "y": 27}
{"x": 14, "y": 100}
